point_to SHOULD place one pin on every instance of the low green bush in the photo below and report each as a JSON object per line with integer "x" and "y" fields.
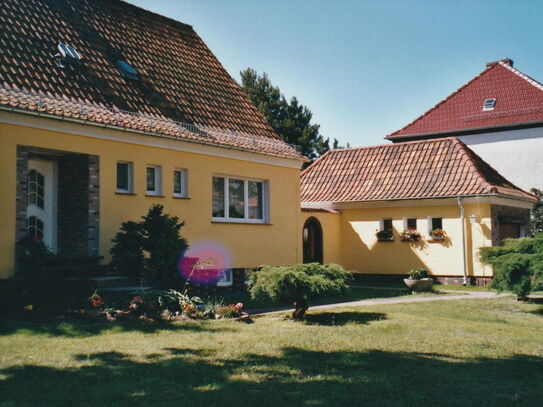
{"x": 418, "y": 274}
{"x": 296, "y": 285}
{"x": 517, "y": 265}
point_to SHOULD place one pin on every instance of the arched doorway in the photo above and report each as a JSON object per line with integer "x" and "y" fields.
{"x": 312, "y": 239}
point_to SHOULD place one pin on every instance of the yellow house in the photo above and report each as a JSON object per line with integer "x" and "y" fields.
{"x": 384, "y": 210}
{"x": 106, "y": 109}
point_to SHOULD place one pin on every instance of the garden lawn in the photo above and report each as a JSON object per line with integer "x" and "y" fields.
{"x": 354, "y": 293}
{"x": 464, "y": 352}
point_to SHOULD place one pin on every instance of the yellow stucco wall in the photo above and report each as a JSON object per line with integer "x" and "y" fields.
{"x": 249, "y": 244}
{"x": 359, "y": 250}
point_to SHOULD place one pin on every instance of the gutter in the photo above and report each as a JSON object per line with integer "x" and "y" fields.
{"x": 465, "y": 280}
{"x": 12, "y": 109}
{"x": 465, "y": 131}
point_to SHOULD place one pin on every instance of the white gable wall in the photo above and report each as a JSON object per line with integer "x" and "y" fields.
{"x": 515, "y": 154}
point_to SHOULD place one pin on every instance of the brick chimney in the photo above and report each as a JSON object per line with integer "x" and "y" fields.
{"x": 506, "y": 61}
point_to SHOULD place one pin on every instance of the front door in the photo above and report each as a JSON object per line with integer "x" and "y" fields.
{"x": 41, "y": 211}
{"x": 312, "y": 241}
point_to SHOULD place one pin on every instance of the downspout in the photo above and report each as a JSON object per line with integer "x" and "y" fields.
{"x": 465, "y": 281}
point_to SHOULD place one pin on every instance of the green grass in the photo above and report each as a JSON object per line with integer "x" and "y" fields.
{"x": 447, "y": 353}
{"x": 354, "y": 293}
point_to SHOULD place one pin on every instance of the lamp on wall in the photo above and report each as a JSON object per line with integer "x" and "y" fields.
{"x": 472, "y": 219}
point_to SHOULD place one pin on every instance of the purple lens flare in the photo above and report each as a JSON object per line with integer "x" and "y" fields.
{"x": 204, "y": 262}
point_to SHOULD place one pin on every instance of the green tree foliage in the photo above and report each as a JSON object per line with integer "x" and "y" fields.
{"x": 296, "y": 285}
{"x": 536, "y": 222}
{"x": 149, "y": 250}
{"x": 290, "y": 120}
{"x": 517, "y": 265}
{"x": 127, "y": 251}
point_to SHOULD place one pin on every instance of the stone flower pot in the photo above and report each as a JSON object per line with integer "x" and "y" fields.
{"x": 424, "y": 284}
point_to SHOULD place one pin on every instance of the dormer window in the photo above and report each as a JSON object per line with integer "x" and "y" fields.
{"x": 489, "y": 104}
{"x": 66, "y": 55}
{"x": 127, "y": 71}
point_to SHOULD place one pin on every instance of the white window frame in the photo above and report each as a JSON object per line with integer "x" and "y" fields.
{"x": 184, "y": 183}
{"x": 382, "y": 227}
{"x": 130, "y": 181}
{"x": 430, "y": 223}
{"x": 158, "y": 180}
{"x": 410, "y": 217}
{"x": 382, "y": 223}
{"x": 245, "y": 219}
{"x": 228, "y": 276}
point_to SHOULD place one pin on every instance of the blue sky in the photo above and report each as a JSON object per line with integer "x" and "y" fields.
{"x": 364, "y": 68}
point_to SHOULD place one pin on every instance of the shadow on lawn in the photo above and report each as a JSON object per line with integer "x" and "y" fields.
{"x": 343, "y": 318}
{"x": 82, "y": 329}
{"x": 297, "y": 377}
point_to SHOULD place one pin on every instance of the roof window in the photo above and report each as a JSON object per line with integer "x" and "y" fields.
{"x": 127, "y": 71}
{"x": 67, "y": 55}
{"x": 489, "y": 104}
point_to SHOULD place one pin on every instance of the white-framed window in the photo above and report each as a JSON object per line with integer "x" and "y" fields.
{"x": 410, "y": 223}
{"x": 225, "y": 279}
{"x": 385, "y": 232}
{"x": 238, "y": 199}
{"x": 385, "y": 224}
{"x": 434, "y": 222}
{"x": 125, "y": 177}
{"x": 154, "y": 180}
{"x": 180, "y": 183}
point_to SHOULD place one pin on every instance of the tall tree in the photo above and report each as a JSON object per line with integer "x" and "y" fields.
{"x": 290, "y": 119}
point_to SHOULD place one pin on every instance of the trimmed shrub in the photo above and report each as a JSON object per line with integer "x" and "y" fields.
{"x": 298, "y": 284}
{"x": 517, "y": 265}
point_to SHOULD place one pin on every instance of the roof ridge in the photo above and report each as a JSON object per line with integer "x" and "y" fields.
{"x": 527, "y": 78}
{"x": 486, "y": 70}
{"x": 173, "y": 20}
{"x": 388, "y": 145}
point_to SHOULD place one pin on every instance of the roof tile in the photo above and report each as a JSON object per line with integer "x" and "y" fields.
{"x": 180, "y": 79}
{"x": 519, "y": 99}
{"x": 420, "y": 169}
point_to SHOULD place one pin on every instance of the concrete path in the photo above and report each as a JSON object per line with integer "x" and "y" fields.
{"x": 464, "y": 295}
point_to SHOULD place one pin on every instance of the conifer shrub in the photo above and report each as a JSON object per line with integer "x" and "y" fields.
{"x": 149, "y": 250}
{"x": 517, "y": 265}
{"x": 297, "y": 285}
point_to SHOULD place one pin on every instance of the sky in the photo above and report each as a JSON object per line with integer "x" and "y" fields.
{"x": 364, "y": 68}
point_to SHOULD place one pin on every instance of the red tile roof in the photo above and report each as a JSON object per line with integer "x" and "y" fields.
{"x": 180, "y": 78}
{"x": 519, "y": 100}
{"x": 412, "y": 170}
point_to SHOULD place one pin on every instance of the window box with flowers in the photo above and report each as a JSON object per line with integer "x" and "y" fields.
{"x": 437, "y": 234}
{"x": 384, "y": 235}
{"x": 410, "y": 235}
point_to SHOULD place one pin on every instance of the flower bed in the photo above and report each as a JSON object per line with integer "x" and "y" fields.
{"x": 161, "y": 305}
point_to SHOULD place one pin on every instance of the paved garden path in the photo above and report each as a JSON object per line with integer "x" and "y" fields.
{"x": 463, "y": 295}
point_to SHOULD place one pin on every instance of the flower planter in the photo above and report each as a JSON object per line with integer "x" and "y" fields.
{"x": 438, "y": 237}
{"x": 424, "y": 284}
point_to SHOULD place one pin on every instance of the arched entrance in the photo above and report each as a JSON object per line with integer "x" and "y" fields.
{"x": 312, "y": 239}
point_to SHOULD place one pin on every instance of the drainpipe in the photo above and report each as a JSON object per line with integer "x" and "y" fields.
{"x": 459, "y": 199}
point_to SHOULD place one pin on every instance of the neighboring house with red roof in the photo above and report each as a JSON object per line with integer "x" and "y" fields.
{"x": 357, "y": 202}
{"x": 499, "y": 115}
{"x": 106, "y": 109}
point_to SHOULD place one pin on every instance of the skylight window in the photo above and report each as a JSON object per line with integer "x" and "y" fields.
{"x": 127, "y": 71}
{"x": 489, "y": 104}
{"x": 66, "y": 55}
